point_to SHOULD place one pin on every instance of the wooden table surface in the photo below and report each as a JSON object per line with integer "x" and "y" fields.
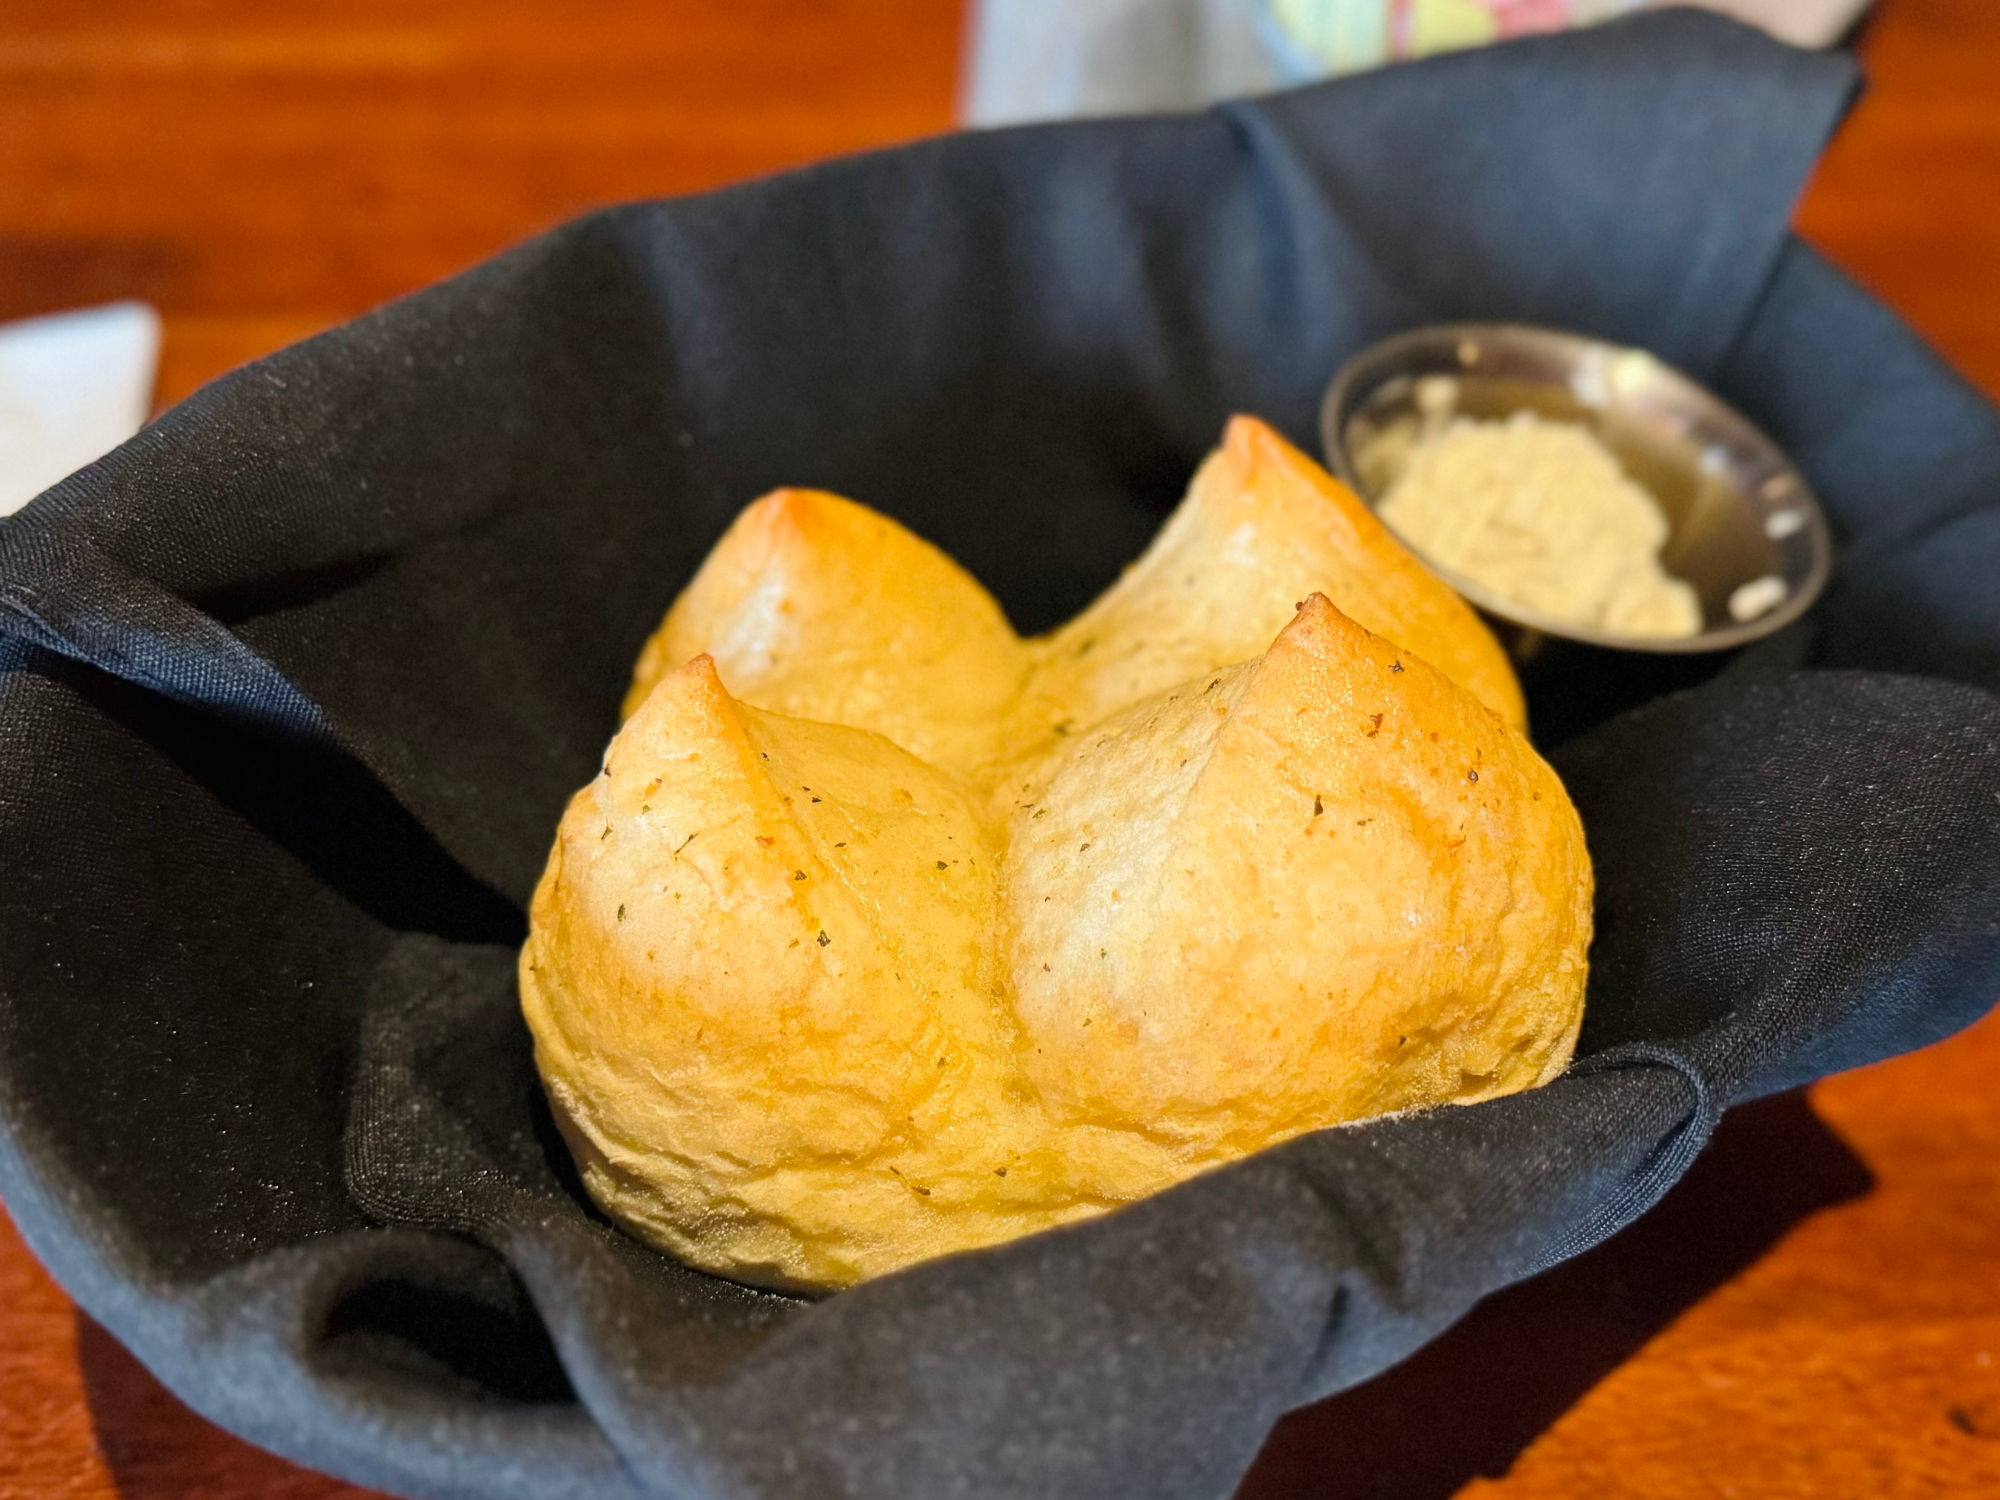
{"x": 1814, "y": 1312}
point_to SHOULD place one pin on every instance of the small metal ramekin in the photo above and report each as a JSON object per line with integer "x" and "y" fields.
{"x": 1744, "y": 529}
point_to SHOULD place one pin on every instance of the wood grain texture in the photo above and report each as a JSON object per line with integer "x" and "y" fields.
{"x": 260, "y": 171}
{"x": 1905, "y": 200}
{"x": 1814, "y": 1312}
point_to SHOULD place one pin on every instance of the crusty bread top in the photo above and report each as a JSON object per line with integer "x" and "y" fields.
{"x": 1262, "y": 527}
{"x": 819, "y": 608}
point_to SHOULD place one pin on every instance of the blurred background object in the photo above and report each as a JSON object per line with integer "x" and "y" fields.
{"x": 1803, "y": 23}
{"x": 1048, "y": 59}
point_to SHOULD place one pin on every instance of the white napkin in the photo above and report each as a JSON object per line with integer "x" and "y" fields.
{"x": 73, "y": 386}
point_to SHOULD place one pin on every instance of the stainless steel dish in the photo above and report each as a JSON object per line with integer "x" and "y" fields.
{"x": 1745, "y": 530}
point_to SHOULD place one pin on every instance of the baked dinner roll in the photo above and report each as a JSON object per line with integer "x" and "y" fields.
{"x": 761, "y": 978}
{"x": 1322, "y": 885}
{"x": 811, "y": 1005}
{"x": 1262, "y": 527}
{"x": 817, "y": 607}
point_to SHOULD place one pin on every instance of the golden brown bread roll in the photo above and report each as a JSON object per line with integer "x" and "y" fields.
{"x": 1262, "y": 526}
{"x": 817, "y": 607}
{"x": 811, "y": 1007}
{"x": 1321, "y": 885}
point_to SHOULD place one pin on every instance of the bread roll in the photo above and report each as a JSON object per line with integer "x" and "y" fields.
{"x": 1262, "y": 527}
{"x": 825, "y": 980}
{"x": 819, "y": 608}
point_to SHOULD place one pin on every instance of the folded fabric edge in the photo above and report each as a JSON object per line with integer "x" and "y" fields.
{"x": 219, "y": 1347}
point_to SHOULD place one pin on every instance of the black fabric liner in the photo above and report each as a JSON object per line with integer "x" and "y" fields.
{"x": 293, "y": 687}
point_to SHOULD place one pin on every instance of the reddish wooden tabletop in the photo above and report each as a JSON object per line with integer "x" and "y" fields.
{"x": 1815, "y": 1312}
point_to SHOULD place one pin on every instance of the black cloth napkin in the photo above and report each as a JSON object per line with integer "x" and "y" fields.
{"x": 294, "y": 685}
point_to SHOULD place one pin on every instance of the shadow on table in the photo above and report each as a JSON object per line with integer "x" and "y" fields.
{"x": 1468, "y": 1404}
{"x": 157, "y": 1449}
